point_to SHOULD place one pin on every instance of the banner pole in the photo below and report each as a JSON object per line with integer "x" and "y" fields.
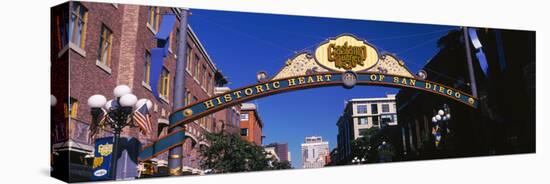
{"x": 176, "y": 153}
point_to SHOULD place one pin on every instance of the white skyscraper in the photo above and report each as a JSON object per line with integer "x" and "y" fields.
{"x": 315, "y": 152}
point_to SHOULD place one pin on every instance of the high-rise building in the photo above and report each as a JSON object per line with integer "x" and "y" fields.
{"x": 314, "y": 152}
{"x": 281, "y": 149}
{"x": 251, "y": 124}
{"x": 361, "y": 114}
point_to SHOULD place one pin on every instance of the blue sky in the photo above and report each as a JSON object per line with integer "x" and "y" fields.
{"x": 241, "y": 44}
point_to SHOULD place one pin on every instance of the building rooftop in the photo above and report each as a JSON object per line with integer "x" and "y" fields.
{"x": 248, "y": 106}
{"x": 388, "y": 97}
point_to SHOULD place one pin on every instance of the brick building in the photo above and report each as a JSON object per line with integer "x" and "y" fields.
{"x": 227, "y": 120}
{"x": 101, "y": 45}
{"x": 251, "y": 124}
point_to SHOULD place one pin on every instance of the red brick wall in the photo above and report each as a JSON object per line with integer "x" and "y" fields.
{"x": 254, "y": 128}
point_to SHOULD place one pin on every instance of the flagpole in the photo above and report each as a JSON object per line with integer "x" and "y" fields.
{"x": 176, "y": 154}
{"x": 473, "y": 85}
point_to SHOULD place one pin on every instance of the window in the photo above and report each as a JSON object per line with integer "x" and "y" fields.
{"x": 62, "y": 22}
{"x": 196, "y": 65}
{"x": 147, "y": 68}
{"x": 154, "y": 16}
{"x": 203, "y": 77}
{"x": 374, "y": 108}
{"x": 73, "y": 107}
{"x": 385, "y": 119}
{"x": 244, "y": 117}
{"x": 188, "y": 97}
{"x": 385, "y": 107}
{"x": 105, "y": 40}
{"x": 189, "y": 59}
{"x": 361, "y": 109}
{"x": 209, "y": 86}
{"x": 362, "y": 121}
{"x": 244, "y": 131}
{"x": 375, "y": 120}
{"x": 78, "y": 24}
{"x": 171, "y": 41}
{"x": 164, "y": 83}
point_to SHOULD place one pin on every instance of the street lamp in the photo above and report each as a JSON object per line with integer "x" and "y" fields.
{"x": 119, "y": 111}
{"x": 440, "y": 120}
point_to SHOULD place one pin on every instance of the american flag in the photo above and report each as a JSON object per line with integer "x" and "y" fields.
{"x": 95, "y": 126}
{"x": 142, "y": 118}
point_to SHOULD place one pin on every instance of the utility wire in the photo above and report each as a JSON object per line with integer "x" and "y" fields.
{"x": 247, "y": 35}
{"x": 410, "y": 35}
{"x": 293, "y": 52}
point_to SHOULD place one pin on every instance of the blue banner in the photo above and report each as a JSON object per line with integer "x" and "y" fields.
{"x": 158, "y": 54}
{"x": 102, "y": 158}
{"x": 480, "y": 55}
{"x": 157, "y": 58}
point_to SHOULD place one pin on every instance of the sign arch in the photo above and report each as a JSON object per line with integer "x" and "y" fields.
{"x": 343, "y": 60}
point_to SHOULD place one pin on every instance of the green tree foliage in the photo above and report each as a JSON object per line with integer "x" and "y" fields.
{"x": 362, "y": 148}
{"x": 229, "y": 153}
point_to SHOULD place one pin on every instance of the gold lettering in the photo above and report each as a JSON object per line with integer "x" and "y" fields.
{"x": 219, "y": 100}
{"x": 227, "y": 97}
{"x": 449, "y": 92}
{"x": 395, "y": 79}
{"x": 301, "y": 80}
{"x": 373, "y": 77}
{"x": 310, "y": 79}
{"x": 267, "y": 88}
{"x": 319, "y": 78}
{"x": 412, "y": 82}
{"x": 328, "y": 77}
{"x": 209, "y": 104}
{"x": 276, "y": 84}
{"x": 248, "y": 91}
{"x": 381, "y": 77}
{"x": 404, "y": 81}
{"x": 441, "y": 89}
{"x": 237, "y": 93}
{"x": 291, "y": 82}
{"x": 428, "y": 85}
{"x": 259, "y": 89}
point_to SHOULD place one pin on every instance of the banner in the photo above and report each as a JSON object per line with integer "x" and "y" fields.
{"x": 102, "y": 158}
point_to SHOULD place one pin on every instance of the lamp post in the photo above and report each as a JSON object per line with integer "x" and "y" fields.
{"x": 440, "y": 120}
{"x": 119, "y": 111}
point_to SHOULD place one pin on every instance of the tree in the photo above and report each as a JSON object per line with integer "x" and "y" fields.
{"x": 362, "y": 148}
{"x": 385, "y": 152}
{"x": 277, "y": 165}
{"x": 228, "y": 153}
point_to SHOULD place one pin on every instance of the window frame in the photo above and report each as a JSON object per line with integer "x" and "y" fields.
{"x": 357, "y": 107}
{"x": 105, "y": 36}
{"x": 245, "y": 130}
{"x": 374, "y": 108}
{"x": 387, "y": 107}
{"x": 244, "y": 119}
{"x": 153, "y": 18}
{"x": 147, "y": 68}
{"x": 164, "y": 83}
{"x": 73, "y": 24}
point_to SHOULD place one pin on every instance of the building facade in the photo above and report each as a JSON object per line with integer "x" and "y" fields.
{"x": 102, "y": 45}
{"x": 251, "y": 124}
{"x": 281, "y": 149}
{"x": 504, "y": 123}
{"x": 227, "y": 120}
{"x": 361, "y": 114}
{"x": 315, "y": 152}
